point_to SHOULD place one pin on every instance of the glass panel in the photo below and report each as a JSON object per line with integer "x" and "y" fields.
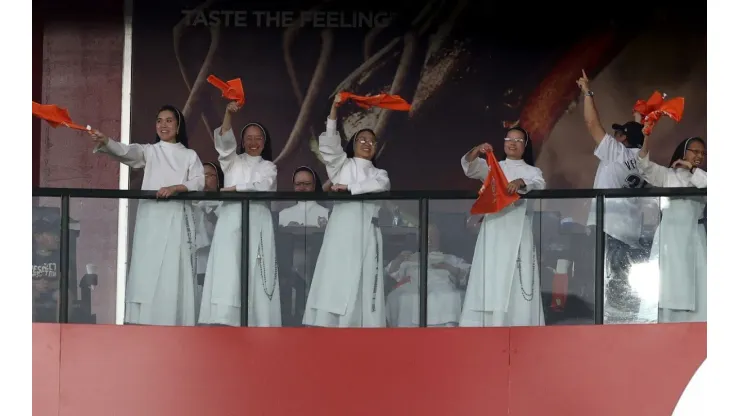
{"x": 666, "y": 273}
{"x": 93, "y": 259}
{"x": 350, "y": 279}
{"x": 217, "y": 259}
{"x": 567, "y": 255}
{"x": 300, "y": 234}
{"x": 45, "y": 248}
{"x": 630, "y": 277}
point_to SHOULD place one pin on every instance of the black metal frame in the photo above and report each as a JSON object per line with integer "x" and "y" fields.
{"x": 422, "y": 196}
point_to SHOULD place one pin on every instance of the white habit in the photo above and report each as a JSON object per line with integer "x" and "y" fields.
{"x": 680, "y": 245}
{"x": 160, "y": 289}
{"x": 305, "y": 213}
{"x": 347, "y": 285}
{"x": 221, "y": 302}
{"x": 618, "y": 169}
{"x": 444, "y": 299}
{"x": 504, "y": 283}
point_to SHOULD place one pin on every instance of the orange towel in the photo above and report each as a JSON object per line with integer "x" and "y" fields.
{"x": 55, "y": 115}
{"x": 492, "y": 196}
{"x": 231, "y": 90}
{"x": 656, "y": 106}
{"x": 387, "y": 101}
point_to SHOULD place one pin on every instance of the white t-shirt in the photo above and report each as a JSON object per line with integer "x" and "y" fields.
{"x": 618, "y": 169}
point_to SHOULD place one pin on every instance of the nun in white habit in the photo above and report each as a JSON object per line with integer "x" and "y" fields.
{"x": 680, "y": 244}
{"x": 504, "y": 283}
{"x": 160, "y": 289}
{"x": 247, "y": 167}
{"x": 347, "y": 285}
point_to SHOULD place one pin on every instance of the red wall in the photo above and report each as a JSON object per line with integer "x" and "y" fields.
{"x": 620, "y": 370}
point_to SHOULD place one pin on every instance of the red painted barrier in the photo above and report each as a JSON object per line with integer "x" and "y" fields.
{"x": 127, "y": 370}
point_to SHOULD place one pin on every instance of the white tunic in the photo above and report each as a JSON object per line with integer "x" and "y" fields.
{"x": 679, "y": 246}
{"x": 504, "y": 283}
{"x": 161, "y": 282}
{"x": 221, "y": 302}
{"x": 347, "y": 286}
{"x": 618, "y": 169}
{"x": 305, "y": 213}
{"x": 444, "y": 298}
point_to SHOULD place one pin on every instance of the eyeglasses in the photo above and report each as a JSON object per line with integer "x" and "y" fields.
{"x": 306, "y": 184}
{"x": 368, "y": 142}
{"x": 698, "y": 152}
{"x": 513, "y": 139}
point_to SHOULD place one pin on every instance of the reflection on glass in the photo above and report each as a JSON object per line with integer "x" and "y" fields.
{"x": 446, "y": 279}
{"x": 630, "y": 281}
{"x": 46, "y": 259}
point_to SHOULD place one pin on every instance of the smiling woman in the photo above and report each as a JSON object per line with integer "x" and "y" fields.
{"x": 160, "y": 288}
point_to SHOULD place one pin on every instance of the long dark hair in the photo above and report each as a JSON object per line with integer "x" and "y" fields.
{"x": 266, "y": 151}
{"x": 317, "y": 185}
{"x": 528, "y": 155}
{"x": 219, "y": 173}
{"x": 349, "y": 147}
{"x": 182, "y": 131}
{"x": 680, "y": 151}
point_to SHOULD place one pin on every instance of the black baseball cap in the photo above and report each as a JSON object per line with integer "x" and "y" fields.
{"x": 633, "y": 131}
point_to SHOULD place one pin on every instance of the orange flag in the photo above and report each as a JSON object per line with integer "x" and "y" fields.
{"x": 492, "y": 196}
{"x": 657, "y": 106}
{"x": 231, "y": 90}
{"x": 55, "y": 115}
{"x": 387, "y": 101}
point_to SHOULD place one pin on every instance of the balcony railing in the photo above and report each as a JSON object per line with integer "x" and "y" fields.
{"x": 422, "y": 198}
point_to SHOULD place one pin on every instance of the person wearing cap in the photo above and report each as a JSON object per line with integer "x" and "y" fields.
{"x": 160, "y": 289}
{"x": 248, "y": 167}
{"x": 347, "y": 287}
{"x": 617, "y": 168}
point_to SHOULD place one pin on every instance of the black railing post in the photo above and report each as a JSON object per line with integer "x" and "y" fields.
{"x": 245, "y": 264}
{"x": 64, "y": 262}
{"x": 423, "y": 259}
{"x": 599, "y": 263}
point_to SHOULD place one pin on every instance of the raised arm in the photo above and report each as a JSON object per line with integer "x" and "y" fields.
{"x": 132, "y": 155}
{"x": 379, "y": 182}
{"x": 262, "y": 179}
{"x": 593, "y": 123}
{"x": 474, "y": 166}
{"x": 330, "y": 145}
{"x": 225, "y": 140}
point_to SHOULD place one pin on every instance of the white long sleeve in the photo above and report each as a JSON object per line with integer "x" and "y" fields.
{"x": 653, "y": 173}
{"x": 536, "y": 182}
{"x": 331, "y": 151}
{"x": 196, "y": 176}
{"x": 132, "y": 155}
{"x": 226, "y": 147}
{"x": 379, "y": 182}
{"x": 699, "y": 178}
{"x": 261, "y": 178}
{"x": 477, "y": 169}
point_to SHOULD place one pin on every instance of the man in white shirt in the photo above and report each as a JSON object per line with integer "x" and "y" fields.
{"x": 622, "y": 216}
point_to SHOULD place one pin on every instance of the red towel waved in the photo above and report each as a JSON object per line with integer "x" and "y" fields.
{"x": 657, "y": 106}
{"x": 387, "y": 101}
{"x": 231, "y": 90}
{"x": 56, "y": 116}
{"x": 492, "y": 196}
